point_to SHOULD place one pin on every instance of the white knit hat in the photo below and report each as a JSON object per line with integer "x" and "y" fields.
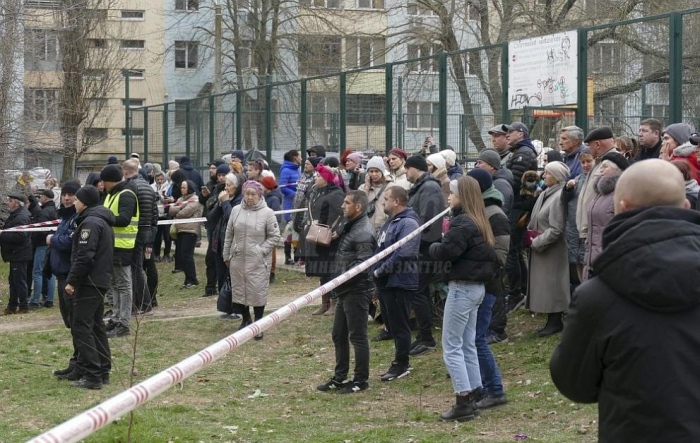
{"x": 437, "y": 160}
{"x": 376, "y": 162}
{"x": 450, "y": 157}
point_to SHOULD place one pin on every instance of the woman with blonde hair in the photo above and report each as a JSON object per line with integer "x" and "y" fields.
{"x": 469, "y": 247}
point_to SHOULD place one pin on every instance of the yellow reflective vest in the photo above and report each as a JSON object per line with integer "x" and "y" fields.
{"x": 124, "y": 236}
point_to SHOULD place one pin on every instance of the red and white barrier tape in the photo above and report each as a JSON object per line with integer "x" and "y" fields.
{"x": 101, "y": 415}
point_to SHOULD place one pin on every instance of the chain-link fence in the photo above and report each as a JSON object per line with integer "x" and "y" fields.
{"x": 627, "y": 71}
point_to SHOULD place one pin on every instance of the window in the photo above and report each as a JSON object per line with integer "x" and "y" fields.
{"x": 319, "y": 55}
{"x": 133, "y": 44}
{"x": 97, "y": 43}
{"x": 330, "y": 4}
{"x": 370, "y": 4}
{"x": 95, "y": 133}
{"x": 659, "y": 112}
{"x": 424, "y": 50}
{"x": 41, "y": 47}
{"x": 364, "y": 52}
{"x": 95, "y": 14}
{"x": 134, "y": 102}
{"x": 422, "y": 115}
{"x": 606, "y": 58}
{"x": 134, "y": 74}
{"x": 135, "y": 132}
{"x": 186, "y": 54}
{"x": 323, "y": 110}
{"x": 132, "y": 15}
{"x": 43, "y": 4}
{"x": 180, "y": 112}
{"x": 41, "y": 105}
{"x": 95, "y": 74}
{"x": 419, "y": 7}
{"x": 187, "y": 5}
{"x": 365, "y": 109}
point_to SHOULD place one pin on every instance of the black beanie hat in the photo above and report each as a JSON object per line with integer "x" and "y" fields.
{"x": 222, "y": 169}
{"x": 418, "y": 162}
{"x": 618, "y": 159}
{"x": 88, "y": 195}
{"x": 111, "y": 173}
{"x": 314, "y": 161}
{"x": 484, "y": 178}
{"x": 70, "y": 187}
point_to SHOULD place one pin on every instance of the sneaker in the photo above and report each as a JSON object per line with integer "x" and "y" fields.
{"x": 119, "y": 331}
{"x": 71, "y": 376}
{"x": 396, "y": 371}
{"x": 230, "y": 317}
{"x": 422, "y": 348}
{"x": 497, "y": 337}
{"x": 289, "y": 262}
{"x": 66, "y": 371}
{"x": 332, "y": 385}
{"x": 175, "y": 271}
{"x": 33, "y": 306}
{"x": 383, "y": 335}
{"x": 87, "y": 384}
{"x": 258, "y": 337}
{"x": 491, "y": 402}
{"x": 353, "y": 386}
{"x": 514, "y": 302}
{"x": 209, "y": 293}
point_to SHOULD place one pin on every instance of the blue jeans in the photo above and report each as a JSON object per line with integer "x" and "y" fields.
{"x": 459, "y": 332}
{"x": 38, "y": 277}
{"x": 490, "y": 374}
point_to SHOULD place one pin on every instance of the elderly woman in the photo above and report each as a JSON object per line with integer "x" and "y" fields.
{"x": 374, "y": 186}
{"x": 325, "y": 208}
{"x": 252, "y": 233}
{"x": 187, "y": 206}
{"x": 548, "y": 281}
{"x": 603, "y": 207}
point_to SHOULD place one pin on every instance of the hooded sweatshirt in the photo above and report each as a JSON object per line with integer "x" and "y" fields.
{"x": 631, "y": 335}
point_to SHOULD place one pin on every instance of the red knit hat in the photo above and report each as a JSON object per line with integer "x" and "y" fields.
{"x": 268, "y": 182}
{"x": 326, "y": 173}
{"x": 399, "y": 153}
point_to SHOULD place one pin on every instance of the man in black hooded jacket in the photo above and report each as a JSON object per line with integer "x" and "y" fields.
{"x": 631, "y": 336}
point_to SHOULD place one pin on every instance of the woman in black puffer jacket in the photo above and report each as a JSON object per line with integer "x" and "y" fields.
{"x": 467, "y": 250}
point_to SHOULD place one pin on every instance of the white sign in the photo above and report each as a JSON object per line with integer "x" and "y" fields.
{"x": 543, "y": 71}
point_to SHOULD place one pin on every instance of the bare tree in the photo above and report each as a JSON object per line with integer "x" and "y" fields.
{"x": 10, "y": 77}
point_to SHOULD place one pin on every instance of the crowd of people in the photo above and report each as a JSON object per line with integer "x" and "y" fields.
{"x": 510, "y": 237}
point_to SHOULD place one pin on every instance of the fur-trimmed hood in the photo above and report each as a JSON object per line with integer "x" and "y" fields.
{"x": 684, "y": 150}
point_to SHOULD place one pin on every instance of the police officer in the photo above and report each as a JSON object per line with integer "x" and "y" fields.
{"x": 17, "y": 250}
{"x": 87, "y": 282}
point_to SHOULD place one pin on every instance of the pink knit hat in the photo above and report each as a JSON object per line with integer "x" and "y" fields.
{"x": 326, "y": 173}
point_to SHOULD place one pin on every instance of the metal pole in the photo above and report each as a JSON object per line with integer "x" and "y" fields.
{"x": 675, "y": 78}
{"x": 389, "y": 109}
{"x": 127, "y": 126}
{"x": 343, "y": 111}
{"x": 145, "y": 135}
{"x": 399, "y": 116}
{"x": 268, "y": 117}
{"x": 188, "y": 120}
{"x": 303, "y": 123}
{"x": 505, "y": 84}
{"x": 212, "y": 142}
{"x": 217, "y": 48}
{"x": 239, "y": 120}
{"x": 582, "y": 108}
{"x": 165, "y": 134}
{"x": 442, "y": 105}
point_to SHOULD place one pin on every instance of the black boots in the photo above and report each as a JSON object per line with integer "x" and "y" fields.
{"x": 554, "y": 325}
{"x": 464, "y": 409}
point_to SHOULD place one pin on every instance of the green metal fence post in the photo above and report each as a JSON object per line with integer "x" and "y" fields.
{"x": 145, "y": 135}
{"x": 505, "y": 100}
{"x": 239, "y": 120}
{"x": 127, "y": 114}
{"x": 303, "y": 124}
{"x": 343, "y": 111}
{"x": 388, "y": 107}
{"x": 188, "y": 121}
{"x": 582, "y": 107}
{"x": 212, "y": 132}
{"x": 442, "y": 104}
{"x": 399, "y": 116}
{"x": 675, "y": 78}
{"x": 166, "y": 149}
{"x": 268, "y": 117}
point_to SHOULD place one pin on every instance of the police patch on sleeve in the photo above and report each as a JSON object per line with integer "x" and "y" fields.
{"x": 84, "y": 235}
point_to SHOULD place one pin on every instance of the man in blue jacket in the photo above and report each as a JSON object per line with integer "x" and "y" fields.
{"x": 288, "y": 178}
{"x": 396, "y": 276}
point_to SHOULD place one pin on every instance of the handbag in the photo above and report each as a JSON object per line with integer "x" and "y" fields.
{"x": 320, "y": 234}
{"x": 224, "y": 303}
{"x": 173, "y": 231}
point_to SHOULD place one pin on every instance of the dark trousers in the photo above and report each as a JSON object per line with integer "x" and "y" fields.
{"x": 244, "y": 310}
{"x": 222, "y": 271}
{"x": 516, "y": 268}
{"x": 420, "y": 299}
{"x": 149, "y": 267}
{"x": 142, "y": 297}
{"x": 499, "y": 320}
{"x": 17, "y": 279}
{"x": 162, "y": 236}
{"x": 210, "y": 263}
{"x": 65, "y": 305}
{"x": 350, "y": 326}
{"x": 396, "y": 309}
{"x": 184, "y": 252}
{"x": 89, "y": 335}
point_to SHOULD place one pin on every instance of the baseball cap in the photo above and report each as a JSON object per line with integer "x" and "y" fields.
{"x": 516, "y": 126}
{"x": 498, "y": 129}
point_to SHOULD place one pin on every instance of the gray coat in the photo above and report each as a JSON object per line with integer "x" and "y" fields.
{"x": 548, "y": 282}
{"x": 602, "y": 211}
{"x": 251, "y": 236}
{"x": 503, "y": 181}
{"x": 574, "y": 241}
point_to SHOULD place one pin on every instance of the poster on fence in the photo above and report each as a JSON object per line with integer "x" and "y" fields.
{"x": 543, "y": 71}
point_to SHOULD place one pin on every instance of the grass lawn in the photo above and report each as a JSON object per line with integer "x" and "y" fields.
{"x": 214, "y": 405}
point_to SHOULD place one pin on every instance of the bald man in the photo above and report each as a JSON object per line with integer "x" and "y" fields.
{"x": 631, "y": 338}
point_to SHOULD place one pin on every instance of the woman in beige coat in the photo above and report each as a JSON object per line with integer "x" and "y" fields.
{"x": 376, "y": 183}
{"x": 251, "y": 235}
{"x": 185, "y": 234}
{"x": 548, "y": 282}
